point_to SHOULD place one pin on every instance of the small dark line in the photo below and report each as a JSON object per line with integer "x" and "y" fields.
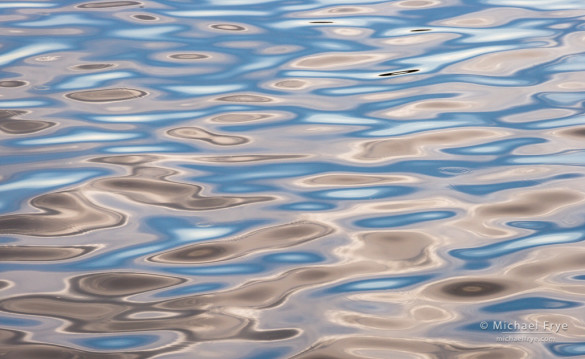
{"x": 420, "y": 30}
{"x": 321, "y": 22}
{"x": 403, "y": 72}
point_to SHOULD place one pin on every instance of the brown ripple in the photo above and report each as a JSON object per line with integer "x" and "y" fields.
{"x": 417, "y": 3}
{"x": 189, "y": 56}
{"x": 111, "y": 315}
{"x": 4, "y": 284}
{"x": 348, "y": 10}
{"x": 126, "y": 160}
{"x": 141, "y": 187}
{"x": 227, "y": 27}
{"x": 291, "y": 84}
{"x": 107, "y": 4}
{"x": 530, "y": 204}
{"x": 12, "y": 83}
{"x": 578, "y": 132}
{"x": 118, "y": 284}
{"x": 61, "y": 307}
{"x": 241, "y": 117}
{"x": 272, "y": 292}
{"x": 106, "y": 95}
{"x": 42, "y": 253}
{"x": 145, "y": 17}
{"x": 64, "y": 214}
{"x": 10, "y": 124}
{"x": 204, "y": 135}
{"x": 282, "y": 236}
{"x": 8, "y": 114}
{"x": 394, "y": 246}
{"x": 473, "y": 289}
{"x": 16, "y": 346}
{"x": 19, "y": 127}
{"x": 245, "y": 98}
{"x": 89, "y": 67}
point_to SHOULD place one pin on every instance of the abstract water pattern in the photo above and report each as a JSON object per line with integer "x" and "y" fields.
{"x": 271, "y": 179}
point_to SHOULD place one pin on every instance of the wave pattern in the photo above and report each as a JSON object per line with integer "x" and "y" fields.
{"x": 282, "y": 179}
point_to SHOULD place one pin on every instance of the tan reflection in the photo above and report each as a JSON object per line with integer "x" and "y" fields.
{"x": 489, "y": 17}
{"x": 353, "y": 347}
{"x": 150, "y": 185}
{"x": 112, "y": 284}
{"x": 243, "y": 117}
{"x": 293, "y": 84}
{"x": 247, "y": 158}
{"x": 283, "y": 236}
{"x": 422, "y": 108}
{"x": 92, "y": 67}
{"x": 515, "y": 173}
{"x": 573, "y": 132}
{"x": 126, "y": 160}
{"x": 473, "y": 289}
{"x": 12, "y": 83}
{"x": 207, "y": 136}
{"x": 106, "y": 95}
{"x": 42, "y": 253}
{"x": 422, "y": 144}
{"x": 538, "y": 115}
{"x": 12, "y": 125}
{"x": 271, "y": 292}
{"x": 338, "y": 11}
{"x": 391, "y": 247}
{"x": 63, "y": 214}
{"x": 334, "y": 60}
{"x": 423, "y": 38}
{"x": 506, "y": 63}
{"x": 354, "y": 179}
{"x": 542, "y": 269}
{"x": 483, "y": 219}
{"x": 107, "y": 4}
{"x": 17, "y": 345}
{"x": 246, "y": 98}
{"x": 418, "y": 3}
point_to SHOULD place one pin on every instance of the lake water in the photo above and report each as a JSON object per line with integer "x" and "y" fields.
{"x": 318, "y": 179}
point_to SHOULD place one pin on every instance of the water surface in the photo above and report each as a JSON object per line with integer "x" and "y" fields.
{"x": 291, "y": 179}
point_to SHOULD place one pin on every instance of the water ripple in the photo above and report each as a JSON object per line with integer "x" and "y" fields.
{"x": 285, "y": 179}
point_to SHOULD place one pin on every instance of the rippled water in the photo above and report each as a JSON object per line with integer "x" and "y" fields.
{"x": 292, "y": 179}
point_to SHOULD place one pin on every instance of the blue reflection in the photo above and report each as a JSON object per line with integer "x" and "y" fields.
{"x": 489, "y": 188}
{"x": 117, "y": 342}
{"x": 307, "y": 206}
{"x": 379, "y": 284}
{"x": 403, "y": 219}
{"x": 361, "y": 193}
{"x": 515, "y": 245}
{"x": 568, "y": 349}
{"x": 529, "y": 303}
{"x": 293, "y": 257}
{"x": 496, "y": 147}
